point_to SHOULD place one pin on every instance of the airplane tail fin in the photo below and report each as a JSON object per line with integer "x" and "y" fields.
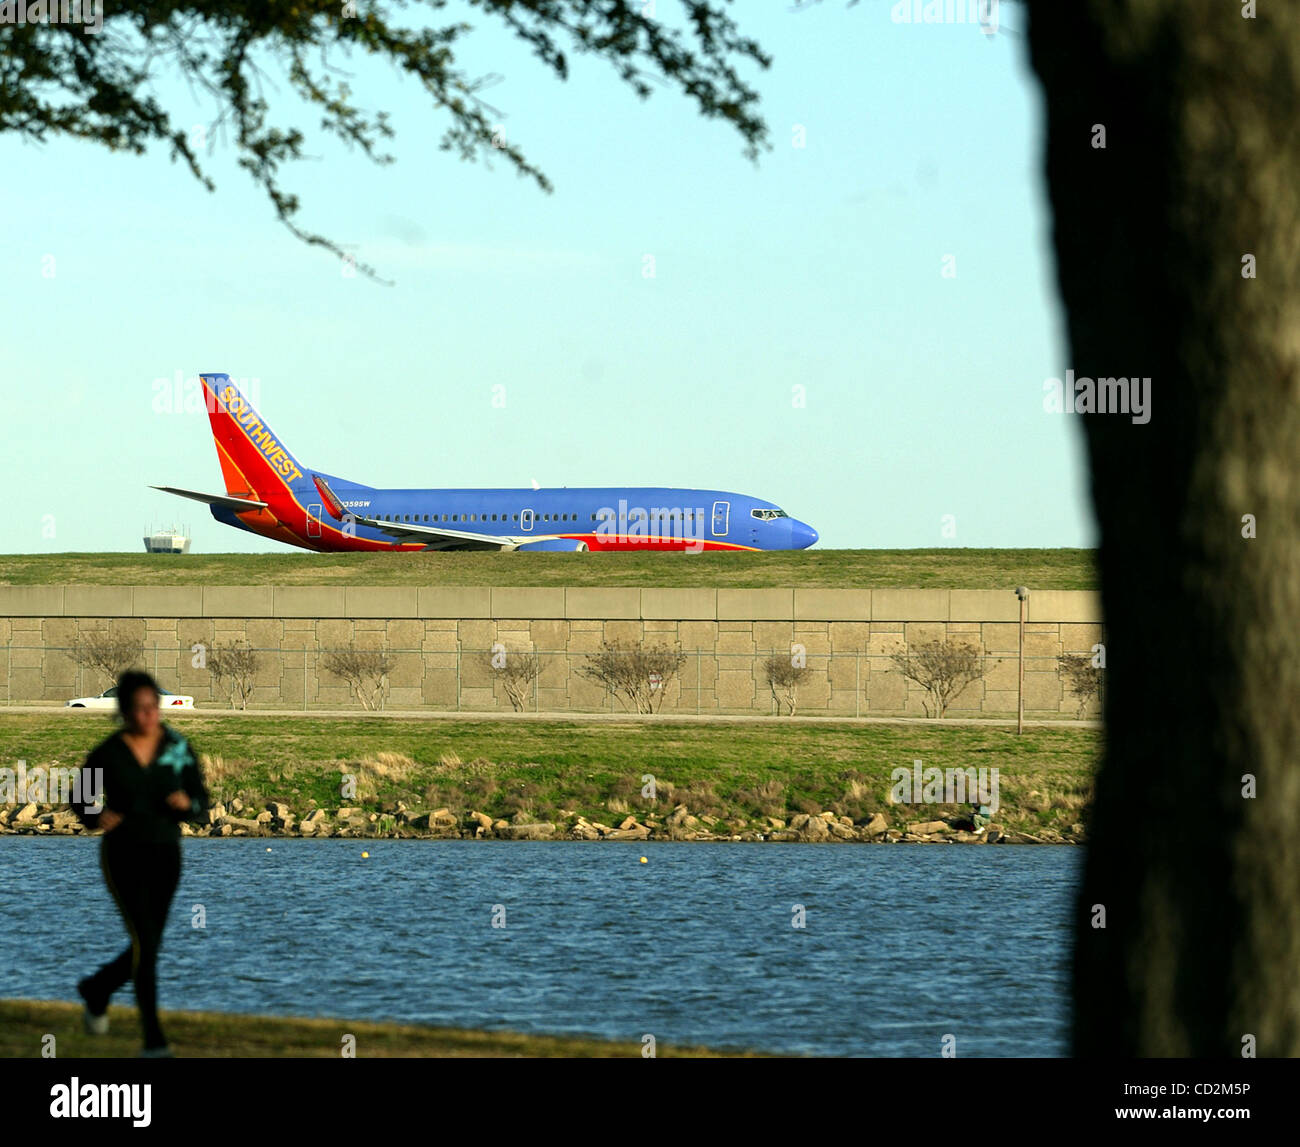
{"x": 254, "y": 461}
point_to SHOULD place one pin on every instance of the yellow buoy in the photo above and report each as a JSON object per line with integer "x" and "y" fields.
{"x": 365, "y": 856}
{"x": 643, "y": 860}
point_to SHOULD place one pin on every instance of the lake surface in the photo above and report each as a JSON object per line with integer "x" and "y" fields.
{"x": 902, "y": 945}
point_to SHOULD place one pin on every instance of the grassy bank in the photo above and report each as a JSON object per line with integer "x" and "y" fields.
{"x": 862, "y": 569}
{"x": 556, "y": 771}
{"x": 24, "y": 1023}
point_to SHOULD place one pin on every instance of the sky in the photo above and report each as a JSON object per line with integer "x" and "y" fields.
{"x": 799, "y": 340}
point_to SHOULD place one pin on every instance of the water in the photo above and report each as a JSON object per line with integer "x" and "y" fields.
{"x": 902, "y": 945}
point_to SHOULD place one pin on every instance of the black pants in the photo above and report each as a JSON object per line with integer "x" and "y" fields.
{"x": 142, "y": 879}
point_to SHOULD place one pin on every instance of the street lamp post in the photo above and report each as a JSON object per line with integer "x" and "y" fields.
{"x": 1022, "y": 592}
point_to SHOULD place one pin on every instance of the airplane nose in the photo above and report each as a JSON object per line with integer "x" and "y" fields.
{"x": 802, "y": 535}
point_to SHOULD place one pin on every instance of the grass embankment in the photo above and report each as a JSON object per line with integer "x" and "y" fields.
{"x": 24, "y": 1023}
{"x": 860, "y": 569}
{"x": 558, "y": 770}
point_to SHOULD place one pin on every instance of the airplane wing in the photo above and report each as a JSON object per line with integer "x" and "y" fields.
{"x": 436, "y": 537}
{"x": 227, "y": 501}
{"x": 441, "y": 538}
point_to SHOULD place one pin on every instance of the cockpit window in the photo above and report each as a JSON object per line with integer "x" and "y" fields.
{"x": 767, "y": 515}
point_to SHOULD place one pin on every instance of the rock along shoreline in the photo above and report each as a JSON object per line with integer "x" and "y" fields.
{"x": 397, "y": 821}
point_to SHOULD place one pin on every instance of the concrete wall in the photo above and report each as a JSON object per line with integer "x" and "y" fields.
{"x": 440, "y": 639}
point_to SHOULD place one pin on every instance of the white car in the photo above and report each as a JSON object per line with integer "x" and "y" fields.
{"x": 108, "y": 700}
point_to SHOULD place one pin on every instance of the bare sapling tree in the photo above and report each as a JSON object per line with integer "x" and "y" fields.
{"x": 516, "y": 672}
{"x": 1082, "y": 677}
{"x": 638, "y": 676}
{"x": 784, "y": 673}
{"x": 942, "y": 668}
{"x": 106, "y": 653}
{"x": 234, "y": 669}
{"x": 365, "y": 670}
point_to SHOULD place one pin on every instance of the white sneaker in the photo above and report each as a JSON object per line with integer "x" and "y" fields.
{"x": 94, "y": 1025}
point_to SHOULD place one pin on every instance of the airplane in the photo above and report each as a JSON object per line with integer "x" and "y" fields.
{"x": 269, "y": 492}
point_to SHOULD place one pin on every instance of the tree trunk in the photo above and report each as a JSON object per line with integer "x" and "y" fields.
{"x": 1201, "y": 167}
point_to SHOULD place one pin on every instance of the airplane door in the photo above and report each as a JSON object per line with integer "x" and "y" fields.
{"x": 721, "y": 512}
{"x": 313, "y": 520}
{"x": 526, "y": 519}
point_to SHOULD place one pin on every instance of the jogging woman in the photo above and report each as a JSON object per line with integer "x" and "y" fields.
{"x": 150, "y": 782}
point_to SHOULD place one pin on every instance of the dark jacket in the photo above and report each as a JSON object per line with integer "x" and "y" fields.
{"x": 138, "y": 794}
